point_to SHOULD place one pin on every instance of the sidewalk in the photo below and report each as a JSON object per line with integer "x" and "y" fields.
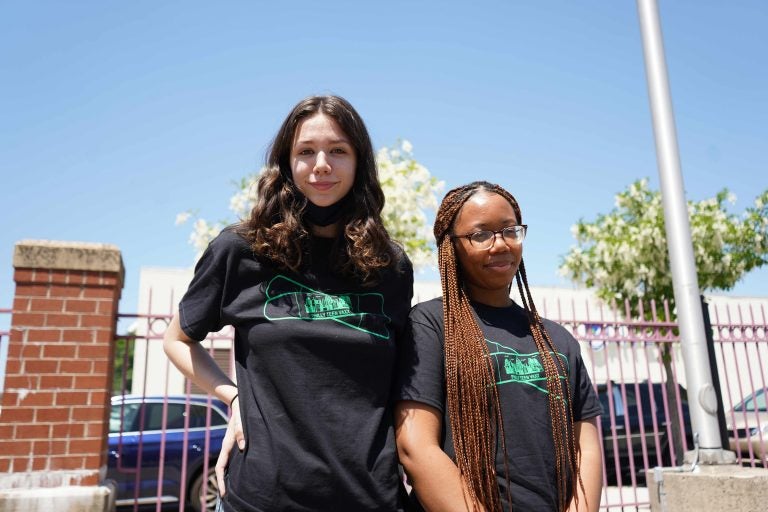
{"x": 625, "y": 499}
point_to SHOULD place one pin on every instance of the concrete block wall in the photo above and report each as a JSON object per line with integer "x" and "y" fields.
{"x": 710, "y": 488}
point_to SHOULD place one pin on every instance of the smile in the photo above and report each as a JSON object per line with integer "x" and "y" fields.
{"x": 323, "y": 185}
{"x": 499, "y": 265}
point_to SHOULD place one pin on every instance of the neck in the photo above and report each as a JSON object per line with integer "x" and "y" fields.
{"x": 327, "y": 215}
{"x": 329, "y": 231}
{"x": 493, "y": 298}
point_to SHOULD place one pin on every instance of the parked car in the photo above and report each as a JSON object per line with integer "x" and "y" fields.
{"x": 635, "y": 442}
{"x": 748, "y": 426}
{"x": 141, "y": 442}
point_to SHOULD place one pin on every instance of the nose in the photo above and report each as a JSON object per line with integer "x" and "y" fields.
{"x": 321, "y": 164}
{"x": 502, "y": 246}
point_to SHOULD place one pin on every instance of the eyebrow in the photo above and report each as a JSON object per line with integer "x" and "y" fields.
{"x": 482, "y": 226}
{"x": 334, "y": 141}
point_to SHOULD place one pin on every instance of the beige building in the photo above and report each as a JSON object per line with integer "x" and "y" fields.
{"x": 613, "y": 348}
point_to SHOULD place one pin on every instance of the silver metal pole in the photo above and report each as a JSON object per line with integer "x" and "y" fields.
{"x": 701, "y": 393}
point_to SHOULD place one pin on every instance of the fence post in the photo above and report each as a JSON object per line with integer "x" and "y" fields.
{"x": 715, "y": 373}
{"x": 55, "y": 406}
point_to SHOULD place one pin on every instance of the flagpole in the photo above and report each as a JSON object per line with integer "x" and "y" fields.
{"x": 702, "y": 399}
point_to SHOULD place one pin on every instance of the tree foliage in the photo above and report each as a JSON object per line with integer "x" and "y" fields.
{"x": 411, "y": 194}
{"x": 122, "y": 376}
{"x": 623, "y": 254}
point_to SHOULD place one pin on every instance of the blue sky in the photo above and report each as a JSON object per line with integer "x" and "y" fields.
{"x": 116, "y": 116}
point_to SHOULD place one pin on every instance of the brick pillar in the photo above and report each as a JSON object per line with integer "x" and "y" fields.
{"x": 55, "y": 407}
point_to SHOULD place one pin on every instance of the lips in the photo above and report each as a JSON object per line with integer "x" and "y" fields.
{"x": 499, "y": 265}
{"x": 323, "y": 185}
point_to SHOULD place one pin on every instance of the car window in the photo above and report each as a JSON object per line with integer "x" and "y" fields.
{"x": 756, "y": 402}
{"x": 127, "y": 415}
{"x": 618, "y": 403}
{"x": 198, "y": 413}
{"x": 153, "y": 419}
{"x": 198, "y": 416}
{"x": 177, "y": 414}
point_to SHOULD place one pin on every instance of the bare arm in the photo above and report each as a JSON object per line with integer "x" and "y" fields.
{"x": 197, "y": 364}
{"x": 430, "y": 471}
{"x": 591, "y": 466}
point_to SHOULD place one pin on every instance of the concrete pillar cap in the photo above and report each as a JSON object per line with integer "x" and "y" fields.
{"x": 51, "y": 254}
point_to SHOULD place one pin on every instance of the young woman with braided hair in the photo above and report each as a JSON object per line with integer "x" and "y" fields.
{"x": 496, "y": 409}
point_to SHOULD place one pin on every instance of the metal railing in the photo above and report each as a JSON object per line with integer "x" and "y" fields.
{"x": 740, "y": 333}
{"x": 636, "y": 367}
{"x": 174, "y": 435}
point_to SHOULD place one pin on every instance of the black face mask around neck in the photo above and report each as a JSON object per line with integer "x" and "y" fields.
{"x": 326, "y": 215}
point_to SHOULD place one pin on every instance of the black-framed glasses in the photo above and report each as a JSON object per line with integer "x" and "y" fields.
{"x": 484, "y": 239}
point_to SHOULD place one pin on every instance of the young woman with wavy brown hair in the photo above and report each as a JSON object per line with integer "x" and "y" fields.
{"x": 496, "y": 409}
{"x": 278, "y": 227}
{"x": 318, "y": 296}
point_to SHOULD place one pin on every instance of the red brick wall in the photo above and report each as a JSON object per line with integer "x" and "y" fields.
{"x": 55, "y": 408}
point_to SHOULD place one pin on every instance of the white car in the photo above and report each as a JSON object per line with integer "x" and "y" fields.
{"x": 748, "y": 427}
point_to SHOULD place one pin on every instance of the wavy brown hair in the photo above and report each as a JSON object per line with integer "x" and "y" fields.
{"x": 276, "y": 228}
{"x": 471, "y": 393}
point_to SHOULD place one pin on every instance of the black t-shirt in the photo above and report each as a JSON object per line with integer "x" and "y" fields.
{"x": 314, "y": 358}
{"x": 522, "y": 392}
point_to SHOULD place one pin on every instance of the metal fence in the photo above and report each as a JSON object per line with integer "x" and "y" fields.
{"x": 740, "y": 337}
{"x": 636, "y": 367}
{"x": 164, "y": 435}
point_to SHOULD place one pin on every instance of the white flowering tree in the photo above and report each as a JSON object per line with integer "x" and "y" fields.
{"x": 623, "y": 254}
{"x": 411, "y": 195}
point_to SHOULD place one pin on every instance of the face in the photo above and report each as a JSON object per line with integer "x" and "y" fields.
{"x": 487, "y": 273}
{"x": 323, "y": 161}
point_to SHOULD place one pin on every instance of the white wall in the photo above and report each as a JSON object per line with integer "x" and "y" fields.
{"x": 160, "y": 290}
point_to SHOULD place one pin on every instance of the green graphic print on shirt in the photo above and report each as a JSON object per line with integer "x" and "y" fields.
{"x": 514, "y": 367}
{"x": 290, "y": 300}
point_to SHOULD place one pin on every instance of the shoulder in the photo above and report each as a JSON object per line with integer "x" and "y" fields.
{"x": 402, "y": 263}
{"x": 230, "y": 240}
{"x": 559, "y": 334}
{"x": 229, "y": 252}
{"x": 229, "y": 246}
{"x": 428, "y": 312}
{"x": 400, "y": 270}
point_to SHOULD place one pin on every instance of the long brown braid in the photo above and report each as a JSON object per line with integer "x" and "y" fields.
{"x": 472, "y": 397}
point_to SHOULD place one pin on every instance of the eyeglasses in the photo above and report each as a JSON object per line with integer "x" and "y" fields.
{"x": 484, "y": 239}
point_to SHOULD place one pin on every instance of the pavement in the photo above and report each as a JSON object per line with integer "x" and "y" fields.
{"x": 625, "y": 499}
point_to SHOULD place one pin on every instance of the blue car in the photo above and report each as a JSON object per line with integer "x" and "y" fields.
{"x": 141, "y": 443}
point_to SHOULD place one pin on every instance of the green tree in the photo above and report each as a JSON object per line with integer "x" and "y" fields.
{"x": 623, "y": 255}
{"x": 122, "y": 377}
{"x": 410, "y": 190}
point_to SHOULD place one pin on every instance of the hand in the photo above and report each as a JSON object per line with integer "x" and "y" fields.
{"x": 234, "y": 434}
